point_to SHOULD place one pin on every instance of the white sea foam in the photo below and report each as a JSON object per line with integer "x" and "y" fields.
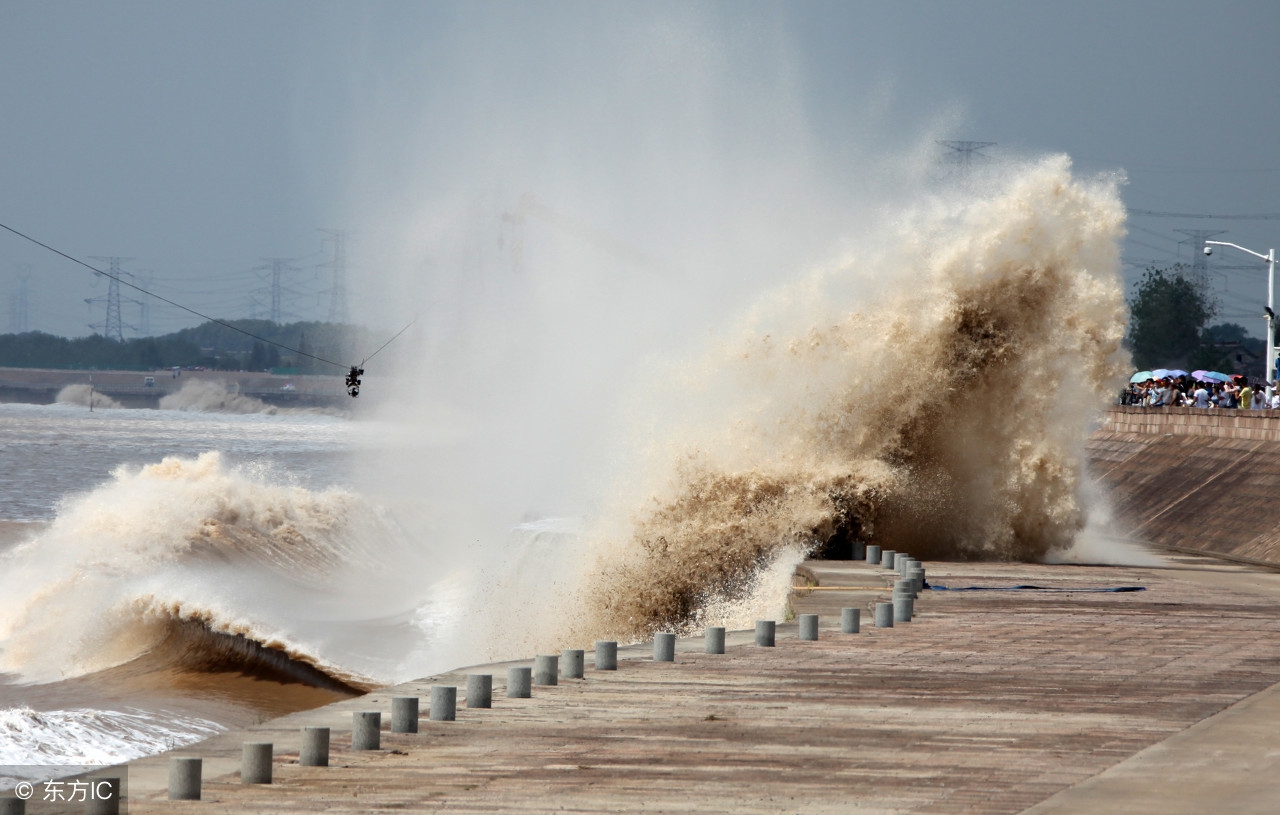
{"x": 92, "y": 737}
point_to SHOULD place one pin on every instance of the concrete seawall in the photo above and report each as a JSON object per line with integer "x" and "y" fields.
{"x": 1193, "y": 480}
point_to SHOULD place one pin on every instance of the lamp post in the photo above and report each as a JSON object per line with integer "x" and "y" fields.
{"x": 1270, "y": 258}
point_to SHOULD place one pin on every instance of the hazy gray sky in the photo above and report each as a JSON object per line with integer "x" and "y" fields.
{"x": 200, "y": 138}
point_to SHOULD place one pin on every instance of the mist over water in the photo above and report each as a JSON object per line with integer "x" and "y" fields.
{"x": 671, "y": 335}
{"x": 930, "y": 392}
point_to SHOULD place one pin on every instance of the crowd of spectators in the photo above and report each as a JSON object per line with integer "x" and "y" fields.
{"x": 1236, "y": 393}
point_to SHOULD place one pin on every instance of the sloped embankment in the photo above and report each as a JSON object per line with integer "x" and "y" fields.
{"x": 1207, "y": 481}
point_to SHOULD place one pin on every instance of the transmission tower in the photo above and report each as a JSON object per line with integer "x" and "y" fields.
{"x": 965, "y": 154}
{"x": 277, "y": 268}
{"x": 338, "y": 293}
{"x": 19, "y": 302}
{"x": 113, "y": 326}
{"x": 1199, "y": 262}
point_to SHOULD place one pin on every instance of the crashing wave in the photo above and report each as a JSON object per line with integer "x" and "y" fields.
{"x": 932, "y": 397}
{"x": 80, "y": 394}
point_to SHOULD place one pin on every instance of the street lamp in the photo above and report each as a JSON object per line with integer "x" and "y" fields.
{"x": 1270, "y": 258}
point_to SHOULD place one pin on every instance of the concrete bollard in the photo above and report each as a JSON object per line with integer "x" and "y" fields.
{"x": 571, "y": 663}
{"x": 546, "y": 669}
{"x": 519, "y": 683}
{"x": 808, "y": 626}
{"x": 664, "y": 647}
{"x": 903, "y": 607}
{"x": 444, "y": 703}
{"x": 12, "y": 805}
{"x": 404, "y": 714}
{"x": 850, "y": 620}
{"x": 479, "y": 690}
{"x": 714, "y": 639}
{"x": 315, "y": 747}
{"x": 106, "y": 797}
{"x": 765, "y": 631}
{"x": 606, "y": 655}
{"x": 255, "y": 763}
{"x": 906, "y": 588}
{"x": 859, "y": 551}
{"x": 873, "y": 553}
{"x": 884, "y": 615}
{"x": 916, "y": 576}
{"x": 184, "y": 779}
{"x": 886, "y": 558}
{"x": 366, "y": 730}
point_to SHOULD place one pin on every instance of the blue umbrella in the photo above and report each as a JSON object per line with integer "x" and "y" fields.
{"x": 1141, "y": 376}
{"x": 1161, "y": 373}
{"x": 1176, "y": 372}
{"x": 1214, "y": 375}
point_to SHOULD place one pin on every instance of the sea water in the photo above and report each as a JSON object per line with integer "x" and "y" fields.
{"x": 88, "y": 534}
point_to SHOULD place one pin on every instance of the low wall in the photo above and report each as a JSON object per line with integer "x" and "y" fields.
{"x": 1263, "y": 425}
{"x": 1196, "y": 480}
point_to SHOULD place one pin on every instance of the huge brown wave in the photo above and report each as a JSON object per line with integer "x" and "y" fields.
{"x": 932, "y": 397}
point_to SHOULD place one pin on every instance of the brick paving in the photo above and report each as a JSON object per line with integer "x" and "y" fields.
{"x": 989, "y": 702}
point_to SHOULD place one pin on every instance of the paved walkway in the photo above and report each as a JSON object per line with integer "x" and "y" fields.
{"x": 989, "y": 702}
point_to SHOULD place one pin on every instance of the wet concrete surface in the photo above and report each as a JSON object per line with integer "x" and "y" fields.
{"x": 988, "y": 702}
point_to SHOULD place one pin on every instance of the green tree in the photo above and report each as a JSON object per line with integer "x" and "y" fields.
{"x": 1167, "y": 316}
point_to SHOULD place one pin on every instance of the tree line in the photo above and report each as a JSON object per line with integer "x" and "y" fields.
{"x": 208, "y": 345}
{"x": 1170, "y": 311}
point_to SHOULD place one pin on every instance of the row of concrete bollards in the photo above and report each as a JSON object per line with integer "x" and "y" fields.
{"x": 256, "y": 762}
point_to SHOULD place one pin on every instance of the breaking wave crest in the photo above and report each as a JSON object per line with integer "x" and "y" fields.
{"x": 931, "y": 395}
{"x": 207, "y": 568}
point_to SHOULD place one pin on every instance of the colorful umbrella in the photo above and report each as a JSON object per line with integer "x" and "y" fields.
{"x": 1141, "y": 376}
{"x": 1214, "y": 375}
{"x": 1161, "y": 373}
{"x": 1202, "y": 376}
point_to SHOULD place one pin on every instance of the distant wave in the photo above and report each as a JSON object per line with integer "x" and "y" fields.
{"x": 213, "y": 396}
{"x": 220, "y": 396}
{"x": 80, "y": 393}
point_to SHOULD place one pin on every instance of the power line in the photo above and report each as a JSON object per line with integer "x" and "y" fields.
{"x": 1197, "y": 237}
{"x": 118, "y": 280}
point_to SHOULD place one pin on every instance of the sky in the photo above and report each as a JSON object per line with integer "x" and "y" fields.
{"x": 200, "y": 141}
